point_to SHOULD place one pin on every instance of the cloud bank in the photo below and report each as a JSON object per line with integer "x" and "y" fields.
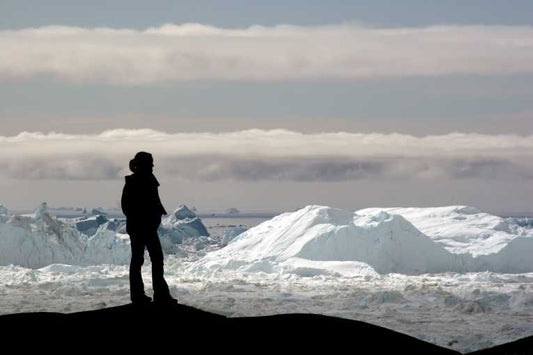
{"x": 260, "y": 155}
{"x": 195, "y": 51}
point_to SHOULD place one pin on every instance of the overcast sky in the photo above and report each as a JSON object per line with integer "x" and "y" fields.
{"x": 269, "y": 105}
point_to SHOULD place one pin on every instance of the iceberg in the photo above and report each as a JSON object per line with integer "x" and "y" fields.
{"x": 382, "y": 239}
{"x": 183, "y": 212}
{"x": 460, "y": 229}
{"x": 181, "y": 224}
{"x": 39, "y": 240}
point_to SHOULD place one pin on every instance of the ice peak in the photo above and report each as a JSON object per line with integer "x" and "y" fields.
{"x": 4, "y": 213}
{"x": 466, "y": 210}
{"x": 40, "y": 211}
{"x": 380, "y": 216}
{"x": 183, "y": 212}
{"x": 319, "y": 214}
{"x": 3, "y": 210}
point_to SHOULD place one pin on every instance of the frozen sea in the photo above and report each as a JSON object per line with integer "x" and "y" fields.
{"x": 463, "y": 311}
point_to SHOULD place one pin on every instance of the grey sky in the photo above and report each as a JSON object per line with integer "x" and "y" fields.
{"x": 242, "y": 13}
{"x": 414, "y": 105}
{"x": 470, "y": 87}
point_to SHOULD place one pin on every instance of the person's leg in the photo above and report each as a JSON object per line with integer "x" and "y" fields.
{"x": 161, "y": 292}
{"x": 137, "y": 260}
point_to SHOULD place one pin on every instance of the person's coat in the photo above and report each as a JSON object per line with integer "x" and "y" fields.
{"x": 141, "y": 203}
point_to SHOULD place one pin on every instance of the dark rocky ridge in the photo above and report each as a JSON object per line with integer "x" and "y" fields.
{"x": 176, "y": 328}
{"x": 183, "y": 329}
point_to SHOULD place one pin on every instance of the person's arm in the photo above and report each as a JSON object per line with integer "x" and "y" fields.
{"x": 125, "y": 200}
{"x": 163, "y": 211}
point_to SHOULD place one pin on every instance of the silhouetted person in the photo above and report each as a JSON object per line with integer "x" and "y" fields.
{"x": 143, "y": 209}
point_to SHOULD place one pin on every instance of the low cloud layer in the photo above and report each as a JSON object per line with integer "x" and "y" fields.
{"x": 194, "y": 51}
{"x": 275, "y": 155}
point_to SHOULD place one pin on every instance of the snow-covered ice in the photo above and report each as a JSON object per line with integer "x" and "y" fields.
{"x": 454, "y": 276}
{"x": 38, "y": 239}
{"x": 387, "y": 242}
{"x": 460, "y": 229}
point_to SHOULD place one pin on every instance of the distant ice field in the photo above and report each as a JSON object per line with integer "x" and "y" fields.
{"x": 460, "y": 311}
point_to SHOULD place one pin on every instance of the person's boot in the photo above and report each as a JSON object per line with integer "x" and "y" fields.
{"x": 141, "y": 300}
{"x": 164, "y": 301}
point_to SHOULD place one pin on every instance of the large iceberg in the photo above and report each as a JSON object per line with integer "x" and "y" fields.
{"x": 39, "y": 239}
{"x": 331, "y": 240}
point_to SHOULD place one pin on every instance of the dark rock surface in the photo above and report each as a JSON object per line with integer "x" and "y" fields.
{"x": 183, "y": 329}
{"x": 519, "y": 347}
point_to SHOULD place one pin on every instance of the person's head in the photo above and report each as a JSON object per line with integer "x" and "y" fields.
{"x": 142, "y": 163}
